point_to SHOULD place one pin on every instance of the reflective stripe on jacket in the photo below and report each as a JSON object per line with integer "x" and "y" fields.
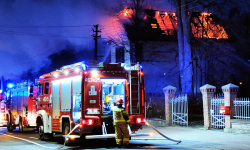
{"x": 118, "y": 114}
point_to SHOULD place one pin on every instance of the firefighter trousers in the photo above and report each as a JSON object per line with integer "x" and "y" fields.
{"x": 121, "y": 133}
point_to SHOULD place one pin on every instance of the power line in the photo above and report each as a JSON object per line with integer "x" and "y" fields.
{"x": 38, "y": 34}
{"x": 16, "y": 26}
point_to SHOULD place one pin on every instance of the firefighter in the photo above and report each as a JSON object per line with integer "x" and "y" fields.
{"x": 121, "y": 120}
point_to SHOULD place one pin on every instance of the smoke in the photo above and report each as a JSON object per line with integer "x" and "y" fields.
{"x": 31, "y": 30}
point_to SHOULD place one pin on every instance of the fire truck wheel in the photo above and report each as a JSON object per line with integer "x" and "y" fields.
{"x": 20, "y": 125}
{"x": 40, "y": 131}
{"x": 9, "y": 128}
{"x": 9, "y": 123}
{"x": 66, "y": 130}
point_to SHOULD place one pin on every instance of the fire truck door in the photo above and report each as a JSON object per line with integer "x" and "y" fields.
{"x": 93, "y": 96}
{"x": 76, "y": 103}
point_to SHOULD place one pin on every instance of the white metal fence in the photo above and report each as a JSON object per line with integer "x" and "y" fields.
{"x": 242, "y": 108}
{"x": 180, "y": 110}
{"x": 217, "y": 119}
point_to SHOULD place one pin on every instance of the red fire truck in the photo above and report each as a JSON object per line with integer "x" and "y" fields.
{"x": 76, "y": 100}
{"x": 2, "y": 109}
{"x": 20, "y": 106}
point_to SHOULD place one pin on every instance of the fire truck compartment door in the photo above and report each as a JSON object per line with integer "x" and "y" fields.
{"x": 93, "y": 87}
{"x": 66, "y": 95}
{"x": 55, "y": 99}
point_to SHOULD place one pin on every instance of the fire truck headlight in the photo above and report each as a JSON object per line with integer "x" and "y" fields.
{"x": 94, "y": 73}
{"x": 66, "y": 72}
{"x": 83, "y": 122}
{"x": 90, "y": 121}
{"x": 56, "y": 75}
{"x": 138, "y": 120}
{"x": 77, "y": 70}
{"x": 151, "y": 134}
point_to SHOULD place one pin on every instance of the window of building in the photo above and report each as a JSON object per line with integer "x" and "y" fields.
{"x": 120, "y": 54}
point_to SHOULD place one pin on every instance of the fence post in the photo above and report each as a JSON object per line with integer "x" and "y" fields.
{"x": 230, "y": 93}
{"x": 207, "y": 93}
{"x": 169, "y": 94}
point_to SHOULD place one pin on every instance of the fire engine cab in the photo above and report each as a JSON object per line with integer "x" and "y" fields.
{"x": 76, "y": 100}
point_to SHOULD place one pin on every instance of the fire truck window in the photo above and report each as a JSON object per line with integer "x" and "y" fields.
{"x": 76, "y": 113}
{"x": 40, "y": 89}
{"x": 112, "y": 90}
{"x": 31, "y": 89}
{"x": 46, "y": 88}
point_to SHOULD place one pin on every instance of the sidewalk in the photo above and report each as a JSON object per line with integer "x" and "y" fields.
{"x": 196, "y": 138}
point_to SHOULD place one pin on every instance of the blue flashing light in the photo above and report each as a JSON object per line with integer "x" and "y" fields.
{"x": 84, "y": 67}
{"x": 141, "y": 66}
{"x": 10, "y": 85}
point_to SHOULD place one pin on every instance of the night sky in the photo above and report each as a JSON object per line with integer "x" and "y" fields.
{"x": 31, "y": 30}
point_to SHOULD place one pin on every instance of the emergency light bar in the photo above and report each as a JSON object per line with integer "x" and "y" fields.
{"x": 10, "y": 85}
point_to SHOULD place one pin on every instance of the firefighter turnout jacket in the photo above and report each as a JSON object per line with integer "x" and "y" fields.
{"x": 121, "y": 120}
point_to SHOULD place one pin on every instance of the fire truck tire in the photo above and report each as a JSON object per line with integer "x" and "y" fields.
{"x": 41, "y": 130}
{"x": 9, "y": 123}
{"x": 9, "y": 128}
{"x": 66, "y": 130}
{"x": 20, "y": 125}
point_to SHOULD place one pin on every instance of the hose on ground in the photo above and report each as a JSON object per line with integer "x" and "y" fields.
{"x": 178, "y": 141}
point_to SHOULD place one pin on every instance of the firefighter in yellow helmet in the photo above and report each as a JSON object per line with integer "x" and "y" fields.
{"x": 121, "y": 120}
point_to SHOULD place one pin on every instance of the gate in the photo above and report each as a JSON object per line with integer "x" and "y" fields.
{"x": 242, "y": 108}
{"x": 217, "y": 119}
{"x": 180, "y": 110}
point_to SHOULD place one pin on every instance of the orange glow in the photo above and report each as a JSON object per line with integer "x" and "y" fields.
{"x": 164, "y": 21}
{"x": 126, "y": 12}
{"x": 203, "y": 27}
{"x": 154, "y": 25}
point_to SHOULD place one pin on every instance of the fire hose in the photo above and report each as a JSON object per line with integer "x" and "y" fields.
{"x": 67, "y": 138}
{"x": 178, "y": 141}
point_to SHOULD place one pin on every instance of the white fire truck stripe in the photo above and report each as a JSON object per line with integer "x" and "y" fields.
{"x": 33, "y": 142}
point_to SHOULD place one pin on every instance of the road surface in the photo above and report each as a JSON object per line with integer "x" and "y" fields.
{"x": 191, "y": 137}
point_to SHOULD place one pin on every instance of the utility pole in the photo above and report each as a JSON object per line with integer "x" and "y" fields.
{"x": 96, "y": 36}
